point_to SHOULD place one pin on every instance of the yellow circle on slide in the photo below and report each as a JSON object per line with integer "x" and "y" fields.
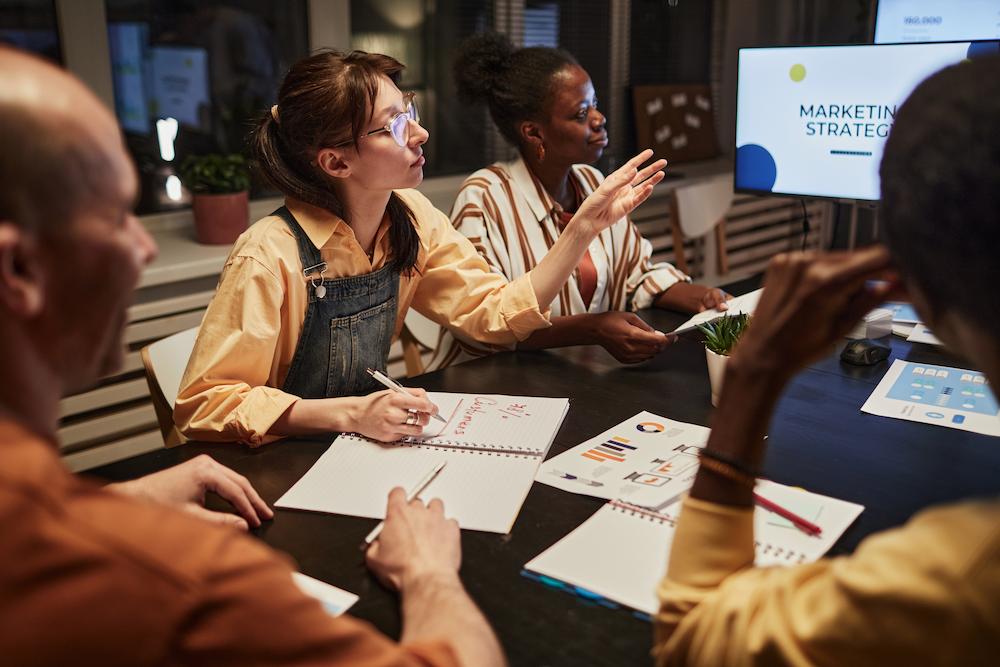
{"x": 797, "y": 73}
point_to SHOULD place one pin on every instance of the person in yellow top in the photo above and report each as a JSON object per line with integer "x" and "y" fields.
{"x": 314, "y": 294}
{"x": 927, "y": 593}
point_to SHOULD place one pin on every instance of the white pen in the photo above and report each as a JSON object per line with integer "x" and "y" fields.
{"x": 389, "y": 383}
{"x": 410, "y": 495}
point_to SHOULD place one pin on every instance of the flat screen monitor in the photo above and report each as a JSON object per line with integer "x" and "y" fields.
{"x": 812, "y": 121}
{"x": 936, "y": 20}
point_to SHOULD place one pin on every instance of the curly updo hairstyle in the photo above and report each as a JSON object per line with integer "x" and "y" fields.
{"x": 514, "y": 83}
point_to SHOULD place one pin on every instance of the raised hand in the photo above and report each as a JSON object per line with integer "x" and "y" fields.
{"x": 620, "y": 193}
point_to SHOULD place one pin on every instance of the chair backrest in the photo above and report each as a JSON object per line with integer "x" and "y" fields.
{"x": 165, "y": 361}
{"x": 418, "y": 336}
{"x": 696, "y": 209}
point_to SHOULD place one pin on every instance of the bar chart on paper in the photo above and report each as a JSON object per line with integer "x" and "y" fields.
{"x": 647, "y": 460}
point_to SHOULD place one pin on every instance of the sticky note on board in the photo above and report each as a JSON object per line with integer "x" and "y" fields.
{"x": 679, "y": 99}
{"x": 654, "y": 106}
{"x": 680, "y": 141}
{"x": 702, "y": 102}
{"x": 692, "y": 121}
{"x": 662, "y": 134}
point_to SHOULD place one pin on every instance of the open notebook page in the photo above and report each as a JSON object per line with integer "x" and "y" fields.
{"x": 482, "y": 491}
{"x": 519, "y": 422}
{"x": 621, "y": 552}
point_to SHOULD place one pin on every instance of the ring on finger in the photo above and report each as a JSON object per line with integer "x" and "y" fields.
{"x": 411, "y": 417}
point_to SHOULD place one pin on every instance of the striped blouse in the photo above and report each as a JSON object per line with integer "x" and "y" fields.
{"x": 512, "y": 221}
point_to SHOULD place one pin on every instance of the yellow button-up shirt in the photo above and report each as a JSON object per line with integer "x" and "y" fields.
{"x": 924, "y": 594}
{"x": 231, "y": 388}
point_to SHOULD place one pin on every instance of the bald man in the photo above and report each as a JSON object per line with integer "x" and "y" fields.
{"x": 94, "y": 576}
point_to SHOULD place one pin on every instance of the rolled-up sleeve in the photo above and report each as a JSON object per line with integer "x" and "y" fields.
{"x": 223, "y": 395}
{"x": 458, "y": 290}
{"x": 646, "y": 279}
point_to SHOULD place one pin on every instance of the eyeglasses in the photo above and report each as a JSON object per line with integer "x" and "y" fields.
{"x": 398, "y": 126}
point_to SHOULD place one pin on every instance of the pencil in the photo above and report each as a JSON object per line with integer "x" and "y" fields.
{"x": 804, "y": 525}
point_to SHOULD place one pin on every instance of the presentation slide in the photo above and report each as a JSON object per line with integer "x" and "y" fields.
{"x": 936, "y": 21}
{"x": 812, "y": 121}
{"x": 180, "y": 84}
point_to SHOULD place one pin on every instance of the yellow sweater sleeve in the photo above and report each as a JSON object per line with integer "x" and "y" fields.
{"x": 924, "y": 594}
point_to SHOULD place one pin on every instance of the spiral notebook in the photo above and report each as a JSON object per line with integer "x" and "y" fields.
{"x": 492, "y": 446}
{"x": 621, "y": 552}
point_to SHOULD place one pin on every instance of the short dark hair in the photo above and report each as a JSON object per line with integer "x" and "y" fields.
{"x": 328, "y": 98}
{"x": 516, "y": 84}
{"x": 940, "y": 177}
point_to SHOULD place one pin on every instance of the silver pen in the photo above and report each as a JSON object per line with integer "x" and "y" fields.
{"x": 410, "y": 495}
{"x": 389, "y": 383}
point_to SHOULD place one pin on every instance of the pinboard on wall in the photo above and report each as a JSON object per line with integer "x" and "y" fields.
{"x": 676, "y": 121}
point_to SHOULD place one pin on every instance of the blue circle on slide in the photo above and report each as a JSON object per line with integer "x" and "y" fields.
{"x": 986, "y": 48}
{"x": 755, "y": 168}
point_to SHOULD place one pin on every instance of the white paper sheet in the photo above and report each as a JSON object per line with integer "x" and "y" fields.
{"x": 621, "y": 554}
{"x": 921, "y": 334}
{"x": 939, "y": 395}
{"x": 334, "y": 600}
{"x": 647, "y": 460}
{"x": 737, "y": 306}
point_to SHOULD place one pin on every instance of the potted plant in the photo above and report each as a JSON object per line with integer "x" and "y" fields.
{"x": 721, "y": 336}
{"x": 219, "y": 185}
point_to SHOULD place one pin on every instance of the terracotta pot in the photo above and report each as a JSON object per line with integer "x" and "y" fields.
{"x": 716, "y": 371}
{"x": 220, "y": 219}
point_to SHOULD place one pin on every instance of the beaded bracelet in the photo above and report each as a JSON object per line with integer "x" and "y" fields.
{"x": 727, "y": 467}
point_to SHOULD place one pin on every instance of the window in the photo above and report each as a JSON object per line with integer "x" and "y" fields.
{"x": 191, "y": 76}
{"x": 31, "y": 25}
{"x": 415, "y": 32}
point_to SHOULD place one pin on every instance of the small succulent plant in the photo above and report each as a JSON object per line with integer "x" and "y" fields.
{"x": 721, "y": 335}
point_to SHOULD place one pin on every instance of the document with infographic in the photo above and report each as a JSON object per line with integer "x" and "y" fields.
{"x": 939, "y": 395}
{"x": 647, "y": 460}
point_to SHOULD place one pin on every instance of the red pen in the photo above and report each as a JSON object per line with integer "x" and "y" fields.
{"x": 802, "y": 524}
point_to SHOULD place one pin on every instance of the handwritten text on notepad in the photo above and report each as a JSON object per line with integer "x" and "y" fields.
{"x": 481, "y": 405}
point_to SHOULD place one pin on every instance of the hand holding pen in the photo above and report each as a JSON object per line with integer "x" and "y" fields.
{"x": 410, "y": 496}
{"x": 389, "y": 383}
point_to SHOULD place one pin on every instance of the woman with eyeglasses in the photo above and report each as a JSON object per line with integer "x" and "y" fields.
{"x": 514, "y": 213}
{"x": 313, "y": 295}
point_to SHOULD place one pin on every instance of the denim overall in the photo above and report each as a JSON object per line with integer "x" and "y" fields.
{"x": 347, "y": 328}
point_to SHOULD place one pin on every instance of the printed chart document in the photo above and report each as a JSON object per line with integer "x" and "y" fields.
{"x": 940, "y": 395}
{"x": 647, "y": 460}
{"x": 492, "y": 446}
{"x": 621, "y": 552}
{"x": 334, "y": 600}
{"x": 737, "y": 306}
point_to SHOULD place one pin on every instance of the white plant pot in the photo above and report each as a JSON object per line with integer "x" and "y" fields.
{"x": 716, "y": 371}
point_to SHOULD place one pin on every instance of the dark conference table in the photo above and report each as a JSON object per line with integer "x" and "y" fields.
{"x": 819, "y": 439}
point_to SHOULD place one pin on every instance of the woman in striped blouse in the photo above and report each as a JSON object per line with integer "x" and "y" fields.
{"x": 543, "y": 102}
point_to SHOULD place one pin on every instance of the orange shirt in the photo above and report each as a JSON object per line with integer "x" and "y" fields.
{"x": 91, "y": 577}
